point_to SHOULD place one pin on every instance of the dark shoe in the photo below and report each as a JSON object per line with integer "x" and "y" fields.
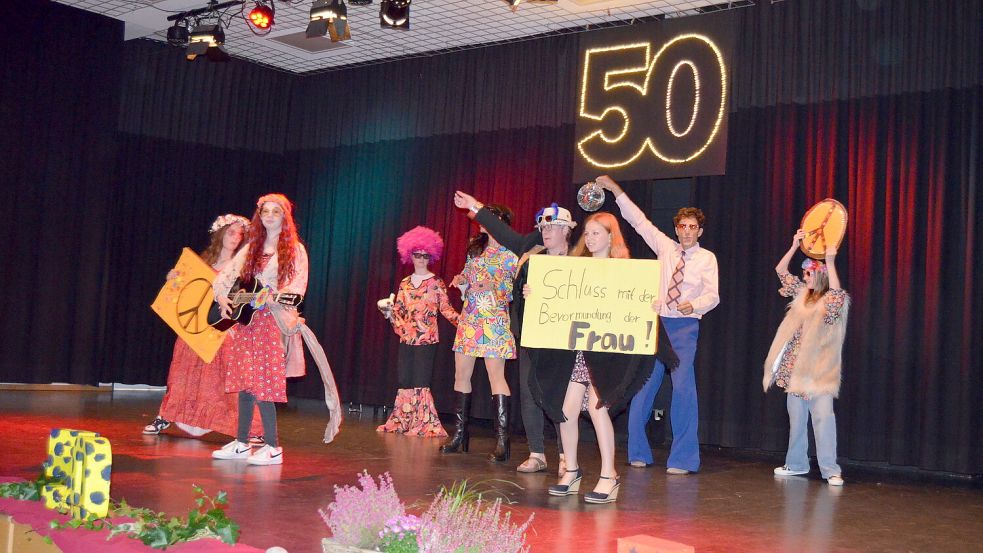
{"x": 157, "y": 426}
{"x": 572, "y": 488}
{"x": 459, "y": 441}
{"x": 503, "y": 448}
{"x": 610, "y": 497}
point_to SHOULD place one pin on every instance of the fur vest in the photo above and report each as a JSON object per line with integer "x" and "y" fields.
{"x": 817, "y": 368}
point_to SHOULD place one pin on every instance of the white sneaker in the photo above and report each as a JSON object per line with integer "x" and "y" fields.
{"x": 267, "y": 455}
{"x": 785, "y": 471}
{"x": 232, "y": 450}
{"x": 835, "y": 480}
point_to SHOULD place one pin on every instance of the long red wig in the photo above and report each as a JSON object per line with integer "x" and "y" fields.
{"x": 286, "y": 247}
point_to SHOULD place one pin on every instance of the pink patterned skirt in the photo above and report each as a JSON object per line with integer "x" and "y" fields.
{"x": 196, "y": 392}
{"x": 414, "y": 414}
{"x": 256, "y": 361}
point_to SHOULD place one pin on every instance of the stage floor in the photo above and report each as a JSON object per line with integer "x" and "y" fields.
{"x": 733, "y": 504}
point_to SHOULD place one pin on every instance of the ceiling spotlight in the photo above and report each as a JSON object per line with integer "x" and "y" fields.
{"x": 261, "y": 16}
{"x": 514, "y": 4}
{"x": 394, "y": 14}
{"x": 329, "y": 17}
{"x": 207, "y": 40}
{"x": 178, "y": 34}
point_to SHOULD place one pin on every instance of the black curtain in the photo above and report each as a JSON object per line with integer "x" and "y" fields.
{"x": 875, "y": 103}
{"x": 60, "y": 96}
{"x": 165, "y": 196}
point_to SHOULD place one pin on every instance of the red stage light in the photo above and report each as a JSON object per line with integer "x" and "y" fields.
{"x": 261, "y": 16}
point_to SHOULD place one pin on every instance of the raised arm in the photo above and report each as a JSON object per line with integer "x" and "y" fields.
{"x": 501, "y": 232}
{"x": 655, "y": 238}
{"x": 608, "y": 184}
{"x": 782, "y": 266}
{"x": 834, "y": 278}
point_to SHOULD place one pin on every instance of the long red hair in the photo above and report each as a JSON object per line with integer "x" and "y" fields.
{"x": 619, "y": 249}
{"x": 286, "y": 247}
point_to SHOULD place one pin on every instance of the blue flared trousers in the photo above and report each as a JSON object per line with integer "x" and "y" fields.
{"x": 684, "y": 413}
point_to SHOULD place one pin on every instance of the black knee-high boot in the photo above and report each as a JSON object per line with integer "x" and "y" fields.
{"x": 462, "y": 411}
{"x": 502, "y": 445}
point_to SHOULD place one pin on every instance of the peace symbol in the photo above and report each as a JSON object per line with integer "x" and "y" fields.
{"x": 193, "y": 302}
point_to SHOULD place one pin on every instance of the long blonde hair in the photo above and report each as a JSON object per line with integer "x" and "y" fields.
{"x": 821, "y": 279}
{"x": 619, "y": 249}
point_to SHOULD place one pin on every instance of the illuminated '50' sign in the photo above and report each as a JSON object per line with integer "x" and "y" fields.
{"x": 671, "y": 103}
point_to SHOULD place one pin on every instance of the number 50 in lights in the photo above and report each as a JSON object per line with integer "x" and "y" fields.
{"x": 629, "y": 93}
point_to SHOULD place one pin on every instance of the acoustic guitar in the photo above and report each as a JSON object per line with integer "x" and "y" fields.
{"x": 247, "y": 298}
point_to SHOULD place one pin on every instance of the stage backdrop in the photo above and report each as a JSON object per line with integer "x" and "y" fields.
{"x": 117, "y": 161}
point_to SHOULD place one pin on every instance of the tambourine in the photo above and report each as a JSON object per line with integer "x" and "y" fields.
{"x": 590, "y": 197}
{"x": 825, "y": 224}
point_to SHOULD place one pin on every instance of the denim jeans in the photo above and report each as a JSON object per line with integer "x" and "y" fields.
{"x": 823, "y": 429}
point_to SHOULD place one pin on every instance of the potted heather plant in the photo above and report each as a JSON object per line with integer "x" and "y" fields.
{"x": 371, "y": 517}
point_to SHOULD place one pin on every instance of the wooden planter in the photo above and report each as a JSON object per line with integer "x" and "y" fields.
{"x": 328, "y": 545}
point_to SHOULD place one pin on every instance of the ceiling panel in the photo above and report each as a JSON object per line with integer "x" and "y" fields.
{"x": 435, "y": 26}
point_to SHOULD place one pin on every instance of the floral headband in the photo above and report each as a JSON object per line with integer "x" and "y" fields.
{"x": 278, "y": 199}
{"x": 809, "y": 264}
{"x": 223, "y": 221}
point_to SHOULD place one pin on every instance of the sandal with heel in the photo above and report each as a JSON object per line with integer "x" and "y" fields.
{"x": 561, "y": 490}
{"x": 610, "y": 497}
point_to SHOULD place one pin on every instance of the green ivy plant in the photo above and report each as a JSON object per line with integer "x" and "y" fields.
{"x": 29, "y": 491}
{"x": 157, "y": 530}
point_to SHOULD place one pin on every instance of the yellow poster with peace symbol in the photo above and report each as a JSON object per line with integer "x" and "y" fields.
{"x": 183, "y": 304}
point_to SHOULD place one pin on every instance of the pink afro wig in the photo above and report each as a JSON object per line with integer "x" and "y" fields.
{"x": 417, "y": 239}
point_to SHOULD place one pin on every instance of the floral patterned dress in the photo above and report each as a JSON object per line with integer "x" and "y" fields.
{"x": 834, "y": 300}
{"x": 483, "y": 329}
{"x": 414, "y": 319}
{"x": 415, "y": 310}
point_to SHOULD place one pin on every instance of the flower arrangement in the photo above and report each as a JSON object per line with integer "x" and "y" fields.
{"x": 399, "y": 535}
{"x": 459, "y": 520}
{"x": 358, "y": 515}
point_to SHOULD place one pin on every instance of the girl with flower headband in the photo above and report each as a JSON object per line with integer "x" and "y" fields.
{"x": 196, "y": 400}
{"x": 805, "y": 359}
{"x": 413, "y": 314}
{"x": 267, "y": 350}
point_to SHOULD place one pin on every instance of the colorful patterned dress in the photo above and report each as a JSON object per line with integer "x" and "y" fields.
{"x": 483, "y": 330}
{"x": 415, "y": 311}
{"x": 414, "y": 320}
{"x": 834, "y": 299}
